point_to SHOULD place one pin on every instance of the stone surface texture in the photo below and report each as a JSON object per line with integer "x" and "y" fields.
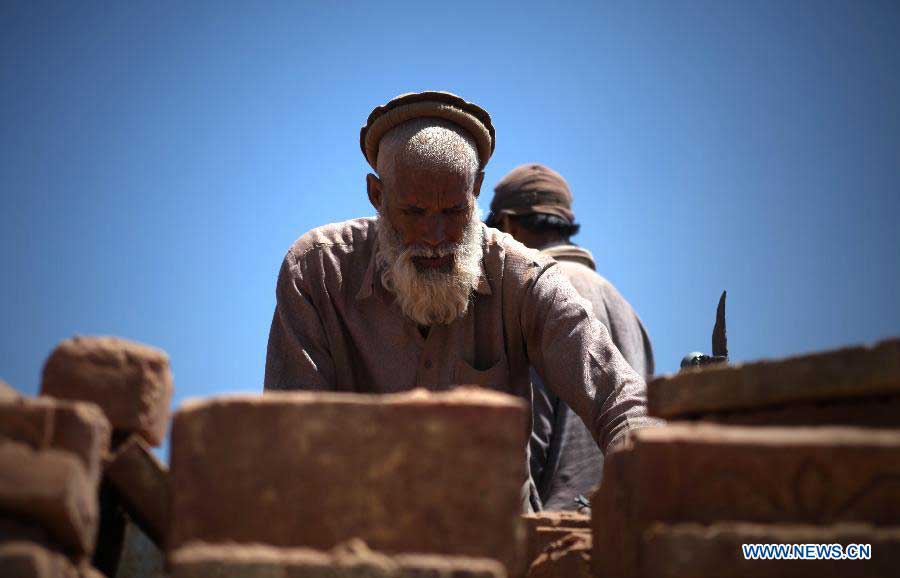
{"x": 437, "y": 566}
{"x": 415, "y": 472}
{"x": 708, "y": 473}
{"x": 131, "y": 382}
{"x": 7, "y": 391}
{"x": 568, "y": 557}
{"x": 542, "y": 528}
{"x": 847, "y": 374}
{"x": 52, "y": 489}
{"x": 352, "y": 559}
{"x": 714, "y": 551}
{"x": 43, "y": 423}
{"x": 23, "y": 559}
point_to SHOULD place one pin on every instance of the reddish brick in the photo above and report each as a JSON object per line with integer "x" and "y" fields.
{"x": 437, "y": 566}
{"x": 41, "y": 423}
{"x": 348, "y": 560}
{"x": 52, "y": 489}
{"x": 699, "y": 551}
{"x": 7, "y": 391}
{"x": 711, "y": 473}
{"x": 131, "y": 382}
{"x": 142, "y": 483}
{"x": 199, "y": 560}
{"x": 22, "y": 559}
{"x": 845, "y": 375}
{"x": 568, "y": 557}
{"x": 553, "y": 519}
{"x": 542, "y": 528}
{"x": 417, "y": 472}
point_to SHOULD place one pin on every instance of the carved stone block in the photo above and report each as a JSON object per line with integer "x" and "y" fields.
{"x": 131, "y": 382}
{"x": 49, "y": 488}
{"x": 23, "y": 559}
{"x": 843, "y": 376}
{"x": 348, "y": 560}
{"x": 714, "y": 551}
{"x": 7, "y": 391}
{"x": 416, "y": 472}
{"x": 710, "y": 473}
{"x": 568, "y": 557}
{"x": 41, "y": 423}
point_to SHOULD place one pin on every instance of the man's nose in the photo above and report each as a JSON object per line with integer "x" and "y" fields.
{"x": 434, "y": 232}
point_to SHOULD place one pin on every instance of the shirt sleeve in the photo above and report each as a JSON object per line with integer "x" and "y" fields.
{"x": 575, "y": 356}
{"x": 298, "y": 356}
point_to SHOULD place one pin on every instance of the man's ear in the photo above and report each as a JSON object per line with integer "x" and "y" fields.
{"x": 375, "y": 189}
{"x": 476, "y": 188}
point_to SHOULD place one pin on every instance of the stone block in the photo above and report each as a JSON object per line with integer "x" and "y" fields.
{"x": 542, "y": 528}
{"x": 43, "y": 423}
{"x": 49, "y": 488}
{"x": 708, "y": 473}
{"x": 17, "y": 530}
{"x": 142, "y": 484}
{"x": 438, "y": 566}
{"x": 415, "y": 472}
{"x": 199, "y": 560}
{"x": 7, "y": 391}
{"x": 845, "y": 375}
{"x": 568, "y": 557}
{"x": 347, "y": 560}
{"x": 714, "y": 551}
{"x": 556, "y": 519}
{"x": 23, "y": 559}
{"x": 131, "y": 382}
{"x": 544, "y": 536}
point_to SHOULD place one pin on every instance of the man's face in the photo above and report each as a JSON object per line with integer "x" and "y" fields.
{"x": 429, "y": 208}
{"x": 429, "y": 242}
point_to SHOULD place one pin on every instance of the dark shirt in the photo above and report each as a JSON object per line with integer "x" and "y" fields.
{"x": 564, "y": 461}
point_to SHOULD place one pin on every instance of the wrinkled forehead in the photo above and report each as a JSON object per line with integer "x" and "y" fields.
{"x": 430, "y": 187}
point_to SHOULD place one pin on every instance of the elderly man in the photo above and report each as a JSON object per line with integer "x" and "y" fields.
{"x": 534, "y": 204}
{"x": 425, "y": 295}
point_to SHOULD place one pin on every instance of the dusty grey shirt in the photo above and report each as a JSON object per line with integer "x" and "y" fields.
{"x": 336, "y": 327}
{"x": 564, "y": 461}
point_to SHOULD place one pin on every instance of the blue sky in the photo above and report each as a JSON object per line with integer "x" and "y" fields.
{"x": 157, "y": 159}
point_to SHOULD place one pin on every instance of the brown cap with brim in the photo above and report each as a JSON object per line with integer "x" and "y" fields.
{"x": 444, "y": 105}
{"x": 530, "y": 189}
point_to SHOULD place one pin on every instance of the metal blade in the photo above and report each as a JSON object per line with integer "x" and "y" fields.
{"x": 719, "y": 338}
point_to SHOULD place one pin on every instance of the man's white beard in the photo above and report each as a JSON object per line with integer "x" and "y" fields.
{"x": 430, "y": 296}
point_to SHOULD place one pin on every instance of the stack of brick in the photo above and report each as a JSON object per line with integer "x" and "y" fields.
{"x": 547, "y": 527}
{"x": 567, "y": 557}
{"x": 74, "y": 457}
{"x": 51, "y": 457}
{"x": 558, "y": 544}
{"x": 352, "y": 559}
{"x": 430, "y": 480}
{"x": 132, "y": 384}
{"x": 799, "y": 451}
{"x": 856, "y": 386}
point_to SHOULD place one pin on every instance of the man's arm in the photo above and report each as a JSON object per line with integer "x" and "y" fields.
{"x": 576, "y": 358}
{"x": 298, "y": 356}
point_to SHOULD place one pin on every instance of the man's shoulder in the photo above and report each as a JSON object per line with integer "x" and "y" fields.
{"x": 342, "y": 237}
{"x": 578, "y": 270}
{"x": 515, "y": 255}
